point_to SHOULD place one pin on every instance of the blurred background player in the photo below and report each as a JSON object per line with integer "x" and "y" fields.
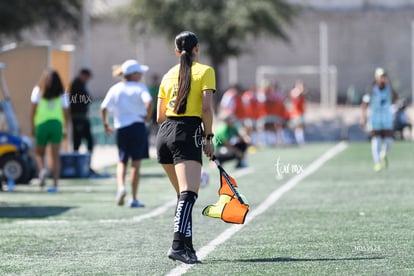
{"x": 231, "y": 103}
{"x": 296, "y": 112}
{"x": 230, "y": 142}
{"x": 272, "y": 113}
{"x": 131, "y": 104}
{"x": 401, "y": 120}
{"x": 380, "y": 119}
{"x": 49, "y": 116}
{"x": 251, "y": 113}
{"x": 153, "y": 90}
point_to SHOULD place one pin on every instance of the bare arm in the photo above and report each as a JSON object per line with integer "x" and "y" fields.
{"x": 364, "y": 108}
{"x": 32, "y": 115}
{"x": 104, "y": 115}
{"x": 243, "y": 135}
{"x": 207, "y": 111}
{"x": 394, "y": 96}
{"x": 149, "y": 111}
{"x": 161, "y": 110}
{"x": 207, "y": 118}
{"x": 66, "y": 118}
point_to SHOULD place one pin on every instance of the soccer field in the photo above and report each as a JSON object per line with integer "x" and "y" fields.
{"x": 315, "y": 210}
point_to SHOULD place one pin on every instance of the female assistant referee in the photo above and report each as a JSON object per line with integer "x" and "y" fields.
{"x": 184, "y": 110}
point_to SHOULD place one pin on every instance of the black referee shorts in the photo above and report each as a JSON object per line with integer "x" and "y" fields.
{"x": 180, "y": 139}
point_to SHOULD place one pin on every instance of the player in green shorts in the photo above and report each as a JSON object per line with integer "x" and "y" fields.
{"x": 48, "y": 118}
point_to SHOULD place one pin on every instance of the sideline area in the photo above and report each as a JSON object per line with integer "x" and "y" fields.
{"x": 325, "y": 223}
{"x": 269, "y": 201}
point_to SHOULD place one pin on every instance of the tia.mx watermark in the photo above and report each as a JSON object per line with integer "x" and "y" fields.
{"x": 80, "y": 99}
{"x": 199, "y": 137}
{"x": 283, "y": 169}
{"x": 367, "y": 248}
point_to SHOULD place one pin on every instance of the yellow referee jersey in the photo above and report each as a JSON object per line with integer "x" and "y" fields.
{"x": 202, "y": 78}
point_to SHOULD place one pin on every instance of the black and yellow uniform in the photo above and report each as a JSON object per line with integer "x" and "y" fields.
{"x": 179, "y": 137}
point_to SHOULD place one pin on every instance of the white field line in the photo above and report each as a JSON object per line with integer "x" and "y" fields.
{"x": 156, "y": 212}
{"x": 269, "y": 201}
{"x": 165, "y": 207}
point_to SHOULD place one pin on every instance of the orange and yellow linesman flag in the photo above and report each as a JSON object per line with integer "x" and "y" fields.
{"x": 231, "y": 207}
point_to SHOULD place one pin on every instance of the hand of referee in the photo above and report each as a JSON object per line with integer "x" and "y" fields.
{"x": 208, "y": 149}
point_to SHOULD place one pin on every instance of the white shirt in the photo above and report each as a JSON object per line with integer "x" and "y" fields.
{"x": 36, "y": 97}
{"x": 128, "y": 101}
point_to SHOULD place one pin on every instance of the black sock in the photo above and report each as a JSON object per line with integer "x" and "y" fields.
{"x": 188, "y": 238}
{"x": 182, "y": 219}
{"x": 175, "y": 210}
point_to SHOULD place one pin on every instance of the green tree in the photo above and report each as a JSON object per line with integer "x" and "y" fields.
{"x": 54, "y": 16}
{"x": 222, "y": 26}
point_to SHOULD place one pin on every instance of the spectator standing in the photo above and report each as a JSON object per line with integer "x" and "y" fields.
{"x": 80, "y": 100}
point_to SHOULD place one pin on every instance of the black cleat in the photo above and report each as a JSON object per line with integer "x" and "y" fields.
{"x": 192, "y": 254}
{"x": 180, "y": 255}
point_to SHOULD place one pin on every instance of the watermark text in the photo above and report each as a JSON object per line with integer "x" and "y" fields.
{"x": 283, "y": 169}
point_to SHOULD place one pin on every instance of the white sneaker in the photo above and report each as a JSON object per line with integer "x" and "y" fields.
{"x": 42, "y": 177}
{"x": 120, "y": 197}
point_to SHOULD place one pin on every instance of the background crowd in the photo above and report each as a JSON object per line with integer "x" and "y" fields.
{"x": 268, "y": 115}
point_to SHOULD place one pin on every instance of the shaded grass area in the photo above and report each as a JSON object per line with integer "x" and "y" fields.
{"x": 342, "y": 220}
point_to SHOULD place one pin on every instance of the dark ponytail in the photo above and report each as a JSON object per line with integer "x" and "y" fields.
{"x": 184, "y": 43}
{"x": 54, "y": 88}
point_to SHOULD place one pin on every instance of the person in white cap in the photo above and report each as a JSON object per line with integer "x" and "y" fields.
{"x": 131, "y": 104}
{"x": 380, "y": 119}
